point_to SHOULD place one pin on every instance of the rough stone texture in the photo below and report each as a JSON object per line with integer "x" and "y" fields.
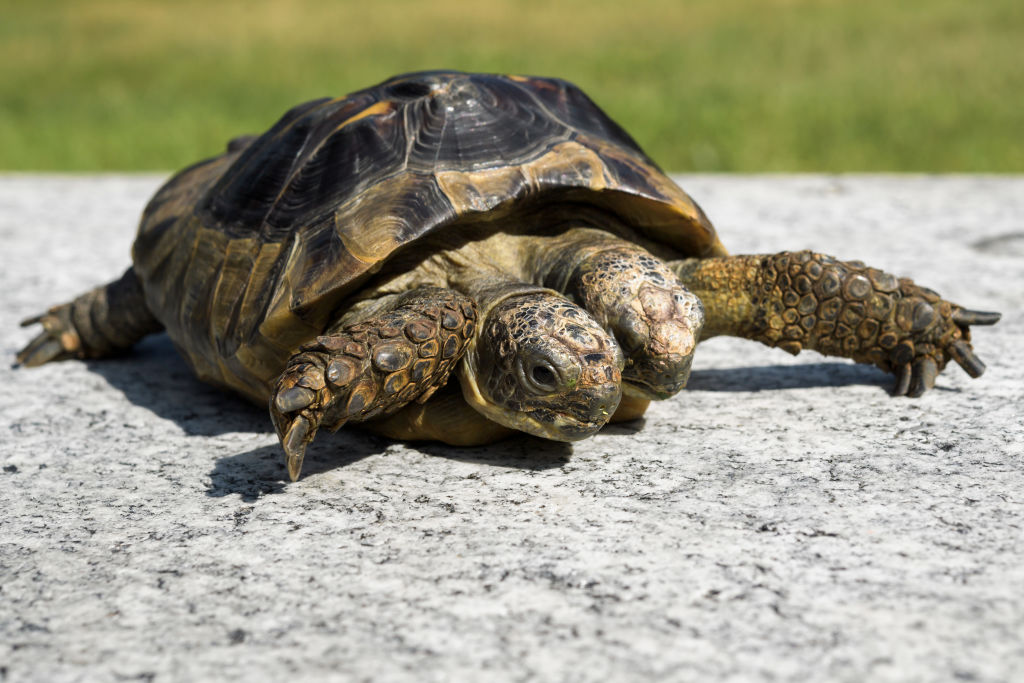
{"x": 784, "y": 519}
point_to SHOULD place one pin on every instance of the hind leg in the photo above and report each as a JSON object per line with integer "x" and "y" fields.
{"x": 99, "y": 323}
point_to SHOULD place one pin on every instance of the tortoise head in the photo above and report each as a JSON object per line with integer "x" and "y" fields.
{"x": 542, "y": 365}
{"x": 660, "y": 339}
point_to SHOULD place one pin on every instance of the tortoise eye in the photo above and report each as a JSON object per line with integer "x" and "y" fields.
{"x": 543, "y": 375}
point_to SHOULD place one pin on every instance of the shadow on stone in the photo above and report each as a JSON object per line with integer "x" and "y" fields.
{"x": 261, "y": 471}
{"x": 517, "y": 452}
{"x": 154, "y": 376}
{"x": 778, "y": 377}
{"x": 625, "y": 428}
{"x": 1006, "y": 244}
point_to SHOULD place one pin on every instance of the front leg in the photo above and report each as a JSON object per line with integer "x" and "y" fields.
{"x": 803, "y": 300}
{"x": 403, "y": 349}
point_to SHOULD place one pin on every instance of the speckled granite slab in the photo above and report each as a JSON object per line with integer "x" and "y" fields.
{"x": 783, "y": 519}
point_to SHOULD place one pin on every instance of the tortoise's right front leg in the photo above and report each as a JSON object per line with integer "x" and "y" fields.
{"x": 402, "y": 350}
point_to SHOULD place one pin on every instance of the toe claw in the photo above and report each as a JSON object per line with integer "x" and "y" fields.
{"x": 294, "y": 398}
{"x": 299, "y": 433}
{"x": 961, "y": 352}
{"x": 40, "y": 350}
{"x": 32, "y": 320}
{"x": 902, "y": 381}
{"x": 966, "y": 317}
{"x": 924, "y": 374}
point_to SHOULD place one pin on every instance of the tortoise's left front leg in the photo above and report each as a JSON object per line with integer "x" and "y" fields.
{"x": 803, "y": 300}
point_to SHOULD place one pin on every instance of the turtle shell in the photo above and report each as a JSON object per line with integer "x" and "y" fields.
{"x": 246, "y": 256}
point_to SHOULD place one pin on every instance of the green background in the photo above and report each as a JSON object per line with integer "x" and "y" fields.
{"x": 707, "y": 85}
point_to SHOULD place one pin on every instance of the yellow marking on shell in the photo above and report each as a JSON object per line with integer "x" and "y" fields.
{"x": 480, "y": 190}
{"x": 239, "y": 260}
{"x": 258, "y": 280}
{"x": 375, "y": 240}
{"x": 281, "y": 326}
{"x": 367, "y": 227}
{"x": 322, "y": 105}
{"x": 538, "y": 83}
{"x": 568, "y": 164}
{"x": 380, "y": 108}
{"x": 661, "y": 217}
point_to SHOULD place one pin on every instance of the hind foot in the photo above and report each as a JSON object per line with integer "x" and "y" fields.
{"x": 101, "y": 322}
{"x": 58, "y": 341}
{"x": 371, "y": 368}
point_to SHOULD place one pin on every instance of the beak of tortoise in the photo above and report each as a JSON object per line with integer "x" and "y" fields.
{"x": 657, "y": 379}
{"x": 572, "y": 419}
{"x": 661, "y": 369}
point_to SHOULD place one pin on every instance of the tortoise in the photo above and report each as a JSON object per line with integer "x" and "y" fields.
{"x": 342, "y": 265}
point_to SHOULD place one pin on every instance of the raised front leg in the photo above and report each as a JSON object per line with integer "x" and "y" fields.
{"x": 102, "y": 322}
{"x": 403, "y": 350}
{"x": 803, "y": 300}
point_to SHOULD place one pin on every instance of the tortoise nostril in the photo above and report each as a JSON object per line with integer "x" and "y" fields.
{"x": 542, "y": 374}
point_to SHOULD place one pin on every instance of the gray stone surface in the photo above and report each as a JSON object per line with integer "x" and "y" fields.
{"x": 782, "y": 520}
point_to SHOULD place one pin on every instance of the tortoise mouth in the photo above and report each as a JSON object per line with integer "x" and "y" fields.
{"x": 640, "y": 389}
{"x": 562, "y": 417}
{"x": 658, "y": 380}
{"x": 573, "y": 420}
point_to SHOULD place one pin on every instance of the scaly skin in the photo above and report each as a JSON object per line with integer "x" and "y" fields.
{"x": 803, "y": 300}
{"x": 543, "y": 365}
{"x": 372, "y": 367}
{"x": 656, "y": 320}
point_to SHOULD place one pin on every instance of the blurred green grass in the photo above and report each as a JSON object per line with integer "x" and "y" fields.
{"x": 703, "y": 85}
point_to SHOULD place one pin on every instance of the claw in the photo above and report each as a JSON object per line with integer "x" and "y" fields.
{"x": 925, "y": 372}
{"x": 32, "y": 320}
{"x": 294, "y": 441}
{"x": 961, "y": 352}
{"x": 40, "y": 350}
{"x": 902, "y": 381}
{"x": 294, "y": 398}
{"x": 965, "y": 317}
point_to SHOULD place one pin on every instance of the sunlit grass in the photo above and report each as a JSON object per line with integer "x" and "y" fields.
{"x": 733, "y": 85}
